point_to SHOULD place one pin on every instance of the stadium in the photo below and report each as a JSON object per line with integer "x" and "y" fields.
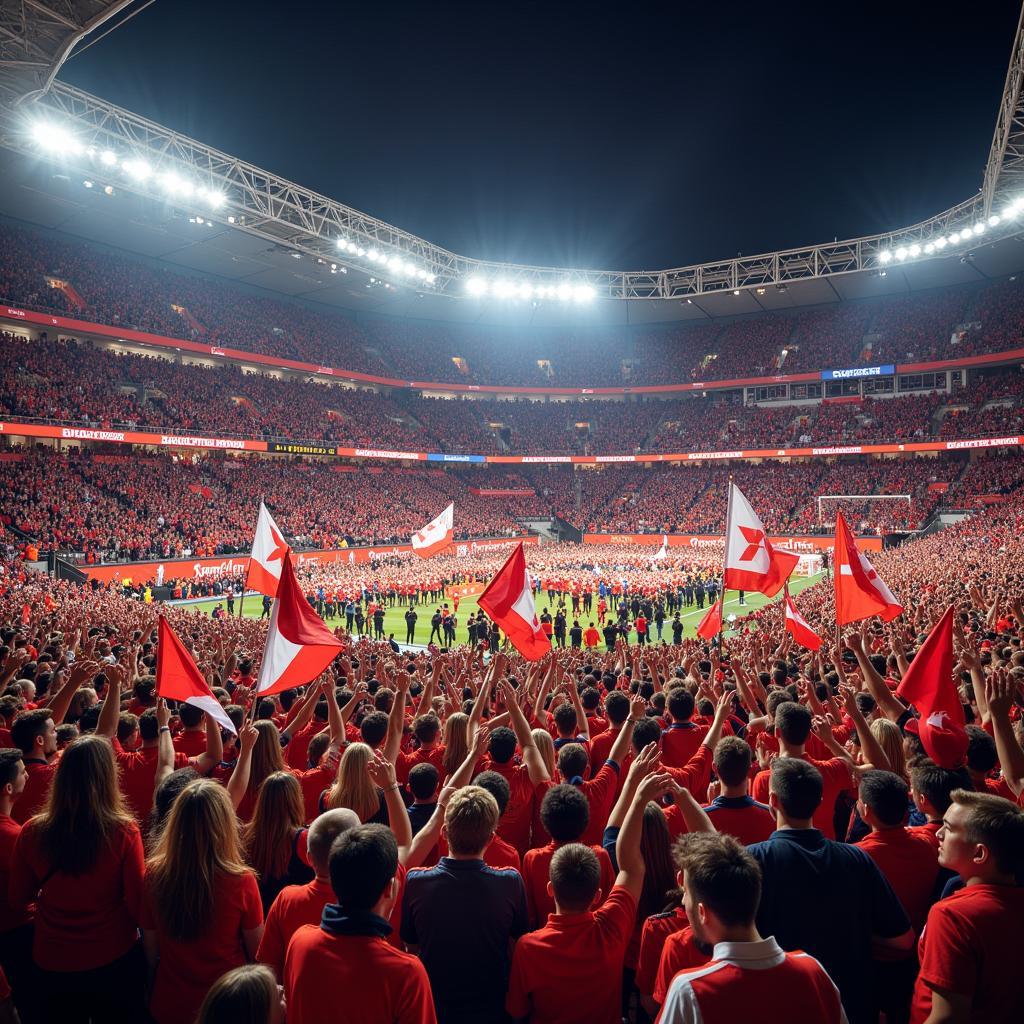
{"x": 403, "y": 619}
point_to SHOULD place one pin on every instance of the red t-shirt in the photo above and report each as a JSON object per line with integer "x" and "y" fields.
{"x": 188, "y": 968}
{"x": 137, "y": 771}
{"x": 190, "y": 743}
{"x": 784, "y": 987}
{"x": 601, "y": 746}
{"x": 742, "y": 817}
{"x": 434, "y": 756}
{"x": 679, "y": 953}
{"x": 354, "y": 979}
{"x": 514, "y": 825}
{"x": 836, "y": 776}
{"x": 295, "y": 754}
{"x": 656, "y": 930}
{"x": 570, "y": 970}
{"x": 680, "y": 741}
{"x": 295, "y": 906}
{"x": 82, "y": 921}
{"x": 910, "y": 865}
{"x": 10, "y": 917}
{"x": 537, "y": 873}
{"x": 930, "y": 831}
{"x": 37, "y": 789}
{"x": 967, "y": 948}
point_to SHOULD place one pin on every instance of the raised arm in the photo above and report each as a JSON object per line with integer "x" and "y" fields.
{"x": 1000, "y": 689}
{"x": 106, "y": 724}
{"x": 890, "y": 706}
{"x": 214, "y": 752}
{"x": 396, "y": 718}
{"x": 532, "y": 758}
{"x": 382, "y": 774}
{"x": 582, "y": 725}
{"x": 305, "y": 713}
{"x": 647, "y": 761}
{"x": 164, "y": 745}
{"x": 627, "y": 848}
{"x": 238, "y": 784}
{"x": 873, "y": 751}
{"x": 637, "y": 708}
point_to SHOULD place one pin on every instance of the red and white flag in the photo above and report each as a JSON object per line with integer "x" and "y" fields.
{"x": 299, "y": 645}
{"x": 436, "y": 535}
{"x": 860, "y": 591}
{"x": 751, "y": 563}
{"x": 711, "y": 625}
{"x": 268, "y": 553}
{"x": 663, "y": 550}
{"x": 508, "y": 600}
{"x": 178, "y": 677}
{"x": 800, "y": 628}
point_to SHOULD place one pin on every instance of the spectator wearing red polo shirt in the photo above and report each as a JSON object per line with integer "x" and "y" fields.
{"x": 570, "y": 970}
{"x": 616, "y": 707}
{"x": 682, "y": 739}
{"x": 910, "y": 865}
{"x": 298, "y": 905}
{"x": 969, "y": 964}
{"x": 248, "y": 993}
{"x": 722, "y": 886}
{"x": 734, "y": 811}
{"x": 191, "y": 741}
{"x": 15, "y": 922}
{"x": 80, "y": 861}
{"x": 345, "y": 970}
{"x": 931, "y": 788}
{"x": 201, "y": 915}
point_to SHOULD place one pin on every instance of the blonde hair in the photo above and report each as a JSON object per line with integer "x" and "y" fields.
{"x": 269, "y": 836}
{"x": 266, "y": 755}
{"x": 470, "y": 820}
{"x": 456, "y": 742}
{"x": 353, "y": 788}
{"x": 546, "y": 746}
{"x": 199, "y": 842}
{"x": 890, "y": 739}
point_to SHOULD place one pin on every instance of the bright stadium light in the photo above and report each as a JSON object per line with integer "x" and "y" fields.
{"x": 431, "y": 278}
{"x": 395, "y": 262}
{"x": 170, "y": 182}
{"x": 372, "y": 255}
{"x": 583, "y": 293}
{"x": 526, "y": 290}
{"x": 901, "y": 253}
{"x": 914, "y": 251}
{"x": 954, "y": 238}
{"x": 564, "y": 291}
{"x": 979, "y": 229}
{"x": 929, "y": 248}
{"x": 108, "y": 158}
{"x": 137, "y": 169}
{"x": 884, "y": 256}
{"x": 940, "y": 242}
{"x": 341, "y": 243}
{"x": 476, "y": 286}
{"x": 87, "y": 183}
{"x": 55, "y": 138}
{"x": 993, "y": 220}
{"x": 504, "y": 289}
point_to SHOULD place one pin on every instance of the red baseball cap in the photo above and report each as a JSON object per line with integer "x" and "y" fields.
{"x": 943, "y": 740}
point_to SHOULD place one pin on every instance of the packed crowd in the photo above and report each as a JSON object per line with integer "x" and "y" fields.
{"x": 118, "y": 291}
{"x": 619, "y": 832}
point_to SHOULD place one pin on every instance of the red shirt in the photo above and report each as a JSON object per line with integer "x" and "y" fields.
{"x": 784, "y": 987}
{"x": 498, "y": 854}
{"x": 537, "y": 873}
{"x": 601, "y": 746}
{"x": 434, "y": 756}
{"x": 514, "y": 825}
{"x": 697, "y": 773}
{"x": 742, "y": 817}
{"x": 37, "y": 789}
{"x": 10, "y": 917}
{"x": 680, "y": 741}
{"x": 600, "y": 794}
{"x": 82, "y": 921}
{"x": 570, "y": 971}
{"x": 836, "y": 776}
{"x": 188, "y": 968}
{"x": 930, "y": 831}
{"x": 656, "y": 930}
{"x": 966, "y": 948}
{"x": 354, "y": 979}
{"x": 137, "y": 771}
{"x": 295, "y": 906}
{"x": 191, "y": 743}
{"x": 910, "y": 865}
{"x": 679, "y": 953}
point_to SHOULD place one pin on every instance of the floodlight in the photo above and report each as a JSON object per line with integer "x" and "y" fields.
{"x": 1018, "y": 202}
{"x": 108, "y": 190}
{"x": 360, "y": 251}
{"x": 929, "y": 248}
{"x": 735, "y": 291}
{"x": 525, "y": 290}
{"x": 979, "y": 229}
{"x": 564, "y": 291}
{"x": 108, "y": 158}
{"x": 87, "y": 183}
{"x": 884, "y": 256}
{"x": 372, "y": 255}
{"x": 55, "y": 138}
{"x": 216, "y": 199}
{"x": 231, "y": 220}
{"x": 954, "y": 238}
{"x": 914, "y": 251}
{"x": 901, "y": 253}
{"x": 504, "y": 289}
{"x": 940, "y": 242}
{"x": 431, "y": 278}
{"x": 394, "y": 262}
{"x": 993, "y": 220}
{"x": 583, "y": 293}
{"x": 476, "y": 286}
{"x": 137, "y": 169}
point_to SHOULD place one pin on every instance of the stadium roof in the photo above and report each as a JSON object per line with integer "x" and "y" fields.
{"x": 79, "y": 165}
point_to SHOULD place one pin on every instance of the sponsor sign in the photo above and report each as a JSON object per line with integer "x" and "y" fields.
{"x": 886, "y": 370}
{"x": 288, "y": 448}
{"x": 805, "y": 544}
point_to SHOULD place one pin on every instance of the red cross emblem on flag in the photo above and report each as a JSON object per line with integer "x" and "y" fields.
{"x": 279, "y": 547}
{"x": 755, "y": 541}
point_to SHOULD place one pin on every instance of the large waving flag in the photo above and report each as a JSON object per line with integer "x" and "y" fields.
{"x": 299, "y": 645}
{"x": 178, "y": 677}
{"x": 929, "y": 686}
{"x": 860, "y": 591}
{"x": 268, "y": 554}
{"x": 711, "y": 625}
{"x": 508, "y": 600}
{"x": 663, "y": 550}
{"x": 436, "y": 535}
{"x": 800, "y": 627}
{"x": 751, "y": 563}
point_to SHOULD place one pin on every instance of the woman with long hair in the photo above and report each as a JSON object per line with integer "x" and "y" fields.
{"x": 275, "y": 839}
{"x": 353, "y": 788}
{"x": 890, "y": 738}
{"x": 456, "y": 744}
{"x": 80, "y": 861}
{"x": 247, "y": 994}
{"x": 265, "y": 759}
{"x": 201, "y": 915}
{"x": 546, "y": 745}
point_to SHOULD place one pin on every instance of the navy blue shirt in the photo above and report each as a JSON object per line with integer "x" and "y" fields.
{"x": 419, "y": 815}
{"x": 462, "y": 915}
{"x": 827, "y": 899}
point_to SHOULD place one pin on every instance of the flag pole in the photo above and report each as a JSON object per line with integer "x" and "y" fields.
{"x": 725, "y": 556}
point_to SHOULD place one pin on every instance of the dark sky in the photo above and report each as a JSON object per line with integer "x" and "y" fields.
{"x": 633, "y": 136}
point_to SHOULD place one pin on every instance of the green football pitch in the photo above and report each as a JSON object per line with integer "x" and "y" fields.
{"x": 394, "y": 620}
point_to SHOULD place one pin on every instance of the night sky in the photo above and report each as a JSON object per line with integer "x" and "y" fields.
{"x": 633, "y": 136}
